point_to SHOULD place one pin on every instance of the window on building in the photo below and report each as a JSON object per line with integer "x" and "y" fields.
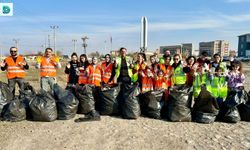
{"x": 241, "y": 46}
{"x": 242, "y": 39}
{"x": 248, "y": 38}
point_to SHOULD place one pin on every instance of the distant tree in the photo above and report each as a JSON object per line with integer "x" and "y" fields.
{"x": 40, "y": 53}
{"x": 94, "y": 54}
{"x": 59, "y": 53}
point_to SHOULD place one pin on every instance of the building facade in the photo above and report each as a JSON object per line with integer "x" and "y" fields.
{"x": 213, "y": 47}
{"x": 185, "y": 48}
{"x": 244, "y": 45}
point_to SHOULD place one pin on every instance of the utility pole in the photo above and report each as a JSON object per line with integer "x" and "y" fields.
{"x": 48, "y": 40}
{"x": 105, "y": 47}
{"x": 74, "y": 41}
{"x": 54, "y": 34}
{"x": 16, "y": 42}
{"x": 84, "y": 45}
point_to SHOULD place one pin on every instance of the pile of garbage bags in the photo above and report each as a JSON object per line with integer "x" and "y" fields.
{"x": 125, "y": 100}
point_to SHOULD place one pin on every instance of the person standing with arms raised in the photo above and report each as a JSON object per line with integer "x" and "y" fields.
{"x": 15, "y": 65}
{"x": 48, "y": 65}
{"x": 123, "y": 71}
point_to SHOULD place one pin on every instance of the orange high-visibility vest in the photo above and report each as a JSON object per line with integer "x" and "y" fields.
{"x": 47, "y": 68}
{"x": 106, "y": 72}
{"x": 147, "y": 84}
{"x": 161, "y": 83}
{"x": 94, "y": 75}
{"x": 167, "y": 71}
{"x": 83, "y": 78}
{"x": 14, "y": 69}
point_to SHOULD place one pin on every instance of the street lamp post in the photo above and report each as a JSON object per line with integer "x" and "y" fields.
{"x": 54, "y": 34}
{"x": 74, "y": 41}
{"x": 84, "y": 45}
{"x": 16, "y": 42}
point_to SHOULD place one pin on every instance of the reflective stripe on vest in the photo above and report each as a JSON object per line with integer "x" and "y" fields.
{"x": 83, "y": 79}
{"x": 117, "y": 71}
{"x": 147, "y": 84}
{"x": 47, "y": 69}
{"x": 13, "y": 68}
{"x": 196, "y": 86}
{"x": 161, "y": 83}
{"x": 179, "y": 77}
{"x": 94, "y": 75}
{"x": 167, "y": 71}
{"x": 137, "y": 67}
{"x": 106, "y": 72}
{"x": 219, "y": 87}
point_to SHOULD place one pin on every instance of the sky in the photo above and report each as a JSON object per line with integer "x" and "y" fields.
{"x": 169, "y": 23}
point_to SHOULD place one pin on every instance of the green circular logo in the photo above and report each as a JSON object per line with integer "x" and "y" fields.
{"x": 6, "y": 9}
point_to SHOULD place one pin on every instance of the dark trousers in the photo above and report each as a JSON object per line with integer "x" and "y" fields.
{"x": 12, "y": 84}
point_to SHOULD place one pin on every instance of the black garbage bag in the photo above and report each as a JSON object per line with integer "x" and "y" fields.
{"x": 179, "y": 103}
{"x": 202, "y": 117}
{"x": 14, "y": 111}
{"x": 205, "y": 108}
{"x": 130, "y": 101}
{"x": 67, "y": 103}
{"x": 109, "y": 100}
{"x": 5, "y": 95}
{"x": 151, "y": 103}
{"x": 229, "y": 110}
{"x": 232, "y": 115}
{"x": 43, "y": 107}
{"x": 26, "y": 95}
{"x": 244, "y": 110}
{"x": 86, "y": 99}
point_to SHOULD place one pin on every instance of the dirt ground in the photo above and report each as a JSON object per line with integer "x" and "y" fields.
{"x": 118, "y": 133}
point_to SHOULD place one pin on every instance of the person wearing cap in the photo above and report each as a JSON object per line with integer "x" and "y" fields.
{"x": 15, "y": 65}
{"x": 107, "y": 69}
{"x": 72, "y": 70}
{"x": 48, "y": 65}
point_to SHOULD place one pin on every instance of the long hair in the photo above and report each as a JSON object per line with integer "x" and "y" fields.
{"x": 238, "y": 63}
{"x": 86, "y": 63}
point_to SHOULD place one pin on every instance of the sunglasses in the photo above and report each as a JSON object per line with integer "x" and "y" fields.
{"x": 13, "y": 51}
{"x": 176, "y": 58}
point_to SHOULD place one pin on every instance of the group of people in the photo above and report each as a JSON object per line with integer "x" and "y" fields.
{"x": 169, "y": 71}
{"x": 16, "y": 66}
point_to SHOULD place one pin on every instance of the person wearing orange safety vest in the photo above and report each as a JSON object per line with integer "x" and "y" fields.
{"x": 167, "y": 70}
{"x": 107, "y": 69}
{"x": 15, "y": 66}
{"x": 139, "y": 68}
{"x": 84, "y": 63}
{"x": 94, "y": 73}
{"x": 48, "y": 65}
{"x": 147, "y": 81}
{"x": 160, "y": 81}
{"x": 155, "y": 66}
